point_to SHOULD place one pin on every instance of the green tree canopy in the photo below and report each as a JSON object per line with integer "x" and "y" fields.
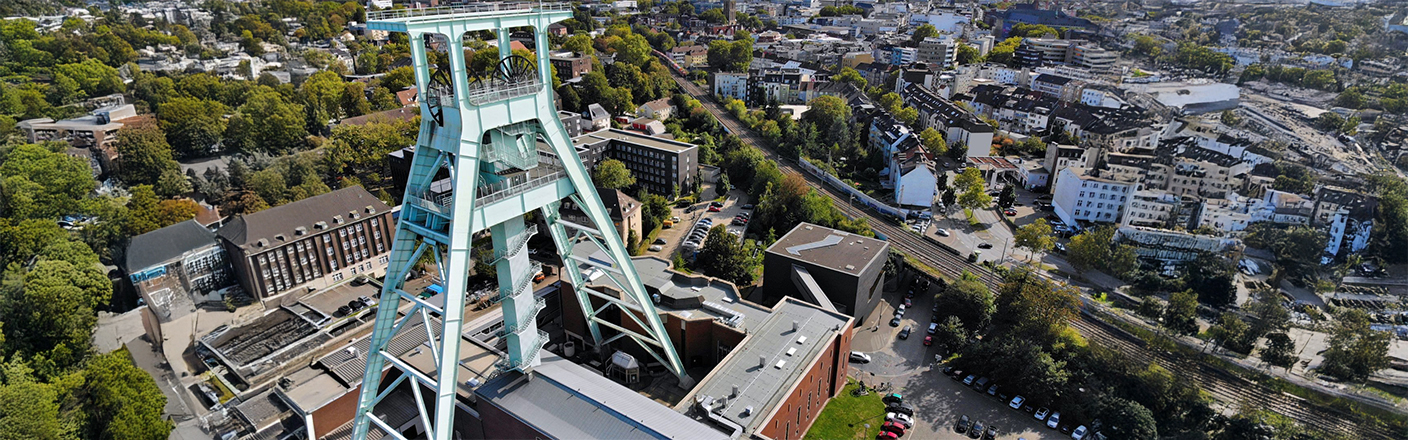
{"x": 267, "y": 122}
{"x": 613, "y": 174}
{"x": 42, "y": 184}
{"x": 145, "y": 155}
{"x": 123, "y": 402}
{"x": 1181, "y": 315}
{"x": 723, "y": 257}
{"x": 969, "y": 300}
{"x": 191, "y": 125}
{"x": 1035, "y": 237}
{"x": 922, "y": 32}
{"x": 1356, "y": 351}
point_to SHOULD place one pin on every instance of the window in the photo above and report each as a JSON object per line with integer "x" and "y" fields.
{"x": 384, "y": 259}
{"x": 337, "y": 277}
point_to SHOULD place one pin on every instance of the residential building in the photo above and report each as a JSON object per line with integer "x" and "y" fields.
{"x": 1152, "y": 208}
{"x": 177, "y": 267}
{"x": 1059, "y": 157}
{"x": 1014, "y": 108}
{"x": 1054, "y": 85}
{"x": 1079, "y": 196}
{"x": 625, "y": 212}
{"x": 309, "y": 244}
{"x": 731, "y": 84}
{"x": 890, "y": 136}
{"x": 834, "y": 269}
{"x": 660, "y": 109}
{"x": 1330, "y": 200}
{"x": 598, "y": 117}
{"x": 690, "y": 56}
{"x": 915, "y": 178}
{"x": 939, "y": 52}
{"x": 570, "y": 65}
{"x": 660, "y": 166}
{"x": 957, "y": 124}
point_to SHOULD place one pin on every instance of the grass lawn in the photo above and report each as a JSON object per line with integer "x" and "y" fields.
{"x": 845, "y": 417}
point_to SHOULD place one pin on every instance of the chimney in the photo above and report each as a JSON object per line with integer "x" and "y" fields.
{"x": 735, "y": 391}
{"x": 762, "y": 361}
{"x": 794, "y": 325}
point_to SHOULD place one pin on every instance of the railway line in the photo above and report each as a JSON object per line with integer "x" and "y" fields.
{"x": 1218, "y": 383}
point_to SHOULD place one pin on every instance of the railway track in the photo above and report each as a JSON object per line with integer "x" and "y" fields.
{"x": 1225, "y": 387}
{"x": 1219, "y": 384}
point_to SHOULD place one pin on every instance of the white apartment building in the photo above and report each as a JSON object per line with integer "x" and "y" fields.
{"x": 941, "y": 52}
{"x": 1150, "y": 208}
{"x": 1079, "y": 196}
{"x": 733, "y": 85}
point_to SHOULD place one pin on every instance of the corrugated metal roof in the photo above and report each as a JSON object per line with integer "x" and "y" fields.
{"x": 565, "y": 400}
{"x": 348, "y": 367}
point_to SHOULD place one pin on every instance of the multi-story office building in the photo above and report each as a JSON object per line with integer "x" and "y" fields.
{"x": 834, "y": 269}
{"x": 97, "y": 129}
{"x": 312, "y": 243}
{"x": 660, "y": 165}
{"x": 570, "y": 65}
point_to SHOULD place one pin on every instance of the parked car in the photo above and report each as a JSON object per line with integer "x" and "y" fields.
{"x": 992, "y": 390}
{"x": 1042, "y": 413}
{"x": 900, "y": 419}
{"x": 714, "y": 209}
{"x": 892, "y": 398}
{"x": 900, "y": 408}
{"x": 948, "y": 371}
{"x": 900, "y": 310}
{"x": 969, "y": 380}
{"x": 893, "y": 427}
{"x": 1079, "y": 433}
{"x": 991, "y": 434}
{"x": 957, "y": 374}
{"x": 984, "y": 245}
{"x": 942, "y": 232}
{"x": 977, "y": 430}
{"x": 904, "y": 334}
{"x": 1010, "y": 212}
{"x": 908, "y": 302}
{"x": 933, "y": 326}
{"x": 748, "y": 206}
{"x": 928, "y": 340}
{"x": 1053, "y": 421}
{"x": 981, "y": 384}
{"x": 857, "y": 356}
{"x": 658, "y": 241}
{"x": 657, "y": 248}
{"x": 1016, "y": 402}
{"x": 961, "y": 425}
{"x": 887, "y": 435}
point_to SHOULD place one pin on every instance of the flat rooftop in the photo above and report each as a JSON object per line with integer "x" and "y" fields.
{"x": 568, "y": 401}
{"x": 835, "y": 249}
{"x": 769, "y": 360}
{"x": 633, "y": 138}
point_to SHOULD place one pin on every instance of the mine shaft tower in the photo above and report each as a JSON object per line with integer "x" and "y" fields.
{"x": 484, "y": 130}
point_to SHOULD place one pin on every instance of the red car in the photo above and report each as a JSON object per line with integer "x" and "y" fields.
{"x": 928, "y": 340}
{"x": 886, "y": 435}
{"x": 1010, "y": 212}
{"x": 893, "y": 427}
{"x": 713, "y": 209}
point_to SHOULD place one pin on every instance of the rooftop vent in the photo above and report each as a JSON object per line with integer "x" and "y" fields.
{"x": 280, "y": 237}
{"x": 748, "y": 411}
{"x": 801, "y": 339}
{"x": 735, "y": 391}
{"x": 262, "y": 242}
{"x": 795, "y": 325}
{"x": 320, "y": 225}
{"x": 300, "y": 230}
{"x": 850, "y": 267}
{"x": 792, "y": 351}
{"x": 762, "y": 361}
{"x": 779, "y": 364}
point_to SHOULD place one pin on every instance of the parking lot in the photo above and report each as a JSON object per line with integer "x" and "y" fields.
{"x": 676, "y": 235}
{"x": 909, "y": 367}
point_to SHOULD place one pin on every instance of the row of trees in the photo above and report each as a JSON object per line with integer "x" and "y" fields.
{"x": 1323, "y": 79}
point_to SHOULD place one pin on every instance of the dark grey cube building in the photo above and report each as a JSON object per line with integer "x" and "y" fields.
{"x": 834, "y": 269}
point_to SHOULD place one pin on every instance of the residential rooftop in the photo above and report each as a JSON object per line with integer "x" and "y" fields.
{"x": 611, "y": 134}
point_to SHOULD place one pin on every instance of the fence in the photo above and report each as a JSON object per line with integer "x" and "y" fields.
{"x": 837, "y": 183}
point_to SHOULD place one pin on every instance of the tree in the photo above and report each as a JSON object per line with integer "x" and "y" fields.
{"x": 612, "y": 174}
{"x": 1033, "y": 308}
{"x": 1002, "y": 52}
{"x": 1127, "y": 419}
{"x": 1090, "y": 249}
{"x": 1213, "y": 278}
{"x": 1280, "y": 351}
{"x": 951, "y": 334}
{"x": 933, "y": 141}
{"x": 723, "y": 257}
{"x": 967, "y": 55}
{"x": 1230, "y": 331}
{"x": 1356, "y": 351}
{"x": 922, "y": 32}
{"x": 267, "y": 122}
{"x": 713, "y": 16}
{"x": 731, "y": 56}
{"x": 1033, "y": 31}
{"x": 192, "y": 125}
{"x": 321, "y": 95}
{"x": 1181, "y": 315}
{"x": 123, "y": 402}
{"x": 41, "y": 184}
{"x": 28, "y": 410}
{"x": 148, "y": 213}
{"x": 1147, "y": 46}
{"x": 1267, "y": 315}
{"x": 969, "y": 300}
{"x": 1007, "y": 197}
{"x": 145, "y": 155}
{"x": 1230, "y": 118}
{"x": 850, "y": 76}
{"x": 1035, "y": 237}
{"x": 580, "y": 44}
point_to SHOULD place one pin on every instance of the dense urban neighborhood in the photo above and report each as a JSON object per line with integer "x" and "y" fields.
{"x": 640, "y": 219}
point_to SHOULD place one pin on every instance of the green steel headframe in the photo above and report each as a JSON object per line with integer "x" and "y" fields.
{"x": 484, "y": 128}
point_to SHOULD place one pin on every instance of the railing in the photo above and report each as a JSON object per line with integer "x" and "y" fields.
{"x": 534, "y": 347}
{"x": 440, "y": 206}
{"x": 469, "y": 8}
{"x": 486, "y": 91}
{"x": 526, "y": 318}
{"x": 517, "y": 245}
{"x": 524, "y": 282}
{"x": 508, "y": 188}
